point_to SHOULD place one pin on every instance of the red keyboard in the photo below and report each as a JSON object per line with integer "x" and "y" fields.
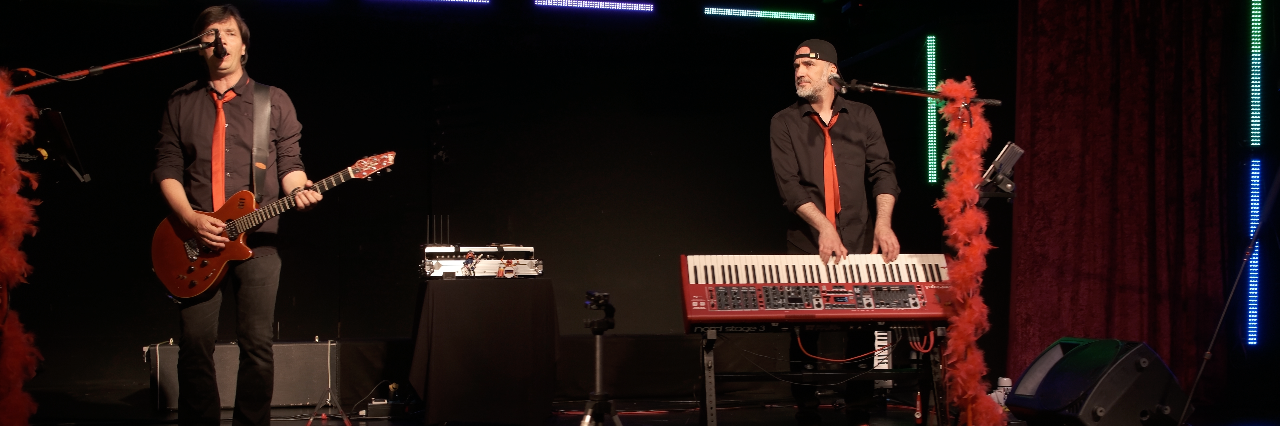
{"x": 737, "y": 289}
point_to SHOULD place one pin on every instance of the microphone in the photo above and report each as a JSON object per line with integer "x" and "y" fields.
{"x": 219, "y": 51}
{"x": 841, "y": 85}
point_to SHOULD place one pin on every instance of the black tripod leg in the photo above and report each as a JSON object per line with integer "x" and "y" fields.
{"x": 329, "y": 400}
{"x": 598, "y": 412}
{"x": 313, "y": 412}
{"x": 589, "y": 415}
{"x": 709, "y": 378}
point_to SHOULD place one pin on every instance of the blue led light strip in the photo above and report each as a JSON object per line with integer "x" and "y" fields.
{"x": 757, "y": 13}
{"x": 639, "y": 7}
{"x": 931, "y": 113}
{"x": 1255, "y": 74}
{"x": 454, "y": 1}
{"x": 1251, "y": 302}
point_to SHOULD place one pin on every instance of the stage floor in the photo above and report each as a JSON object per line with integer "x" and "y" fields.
{"x": 127, "y": 403}
{"x": 652, "y": 414}
{"x": 640, "y": 413}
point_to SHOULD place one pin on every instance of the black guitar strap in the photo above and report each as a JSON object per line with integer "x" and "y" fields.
{"x": 261, "y": 137}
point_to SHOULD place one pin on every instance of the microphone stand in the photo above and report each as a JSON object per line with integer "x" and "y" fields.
{"x": 96, "y": 70}
{"x": 899, "y": 90}
{"x": 1226, "y": 306}
{"x": 844, "y": 87}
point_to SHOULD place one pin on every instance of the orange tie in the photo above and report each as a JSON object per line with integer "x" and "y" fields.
{"x": 220, "y": 150}
{"x": 832, "y": 185}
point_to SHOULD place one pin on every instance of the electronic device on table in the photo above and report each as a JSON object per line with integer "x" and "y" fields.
{"x": 441, "y": 261}
{"x": 749, "y": 290}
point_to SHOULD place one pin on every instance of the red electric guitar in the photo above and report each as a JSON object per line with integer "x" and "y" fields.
{"x": 187, "y": 267}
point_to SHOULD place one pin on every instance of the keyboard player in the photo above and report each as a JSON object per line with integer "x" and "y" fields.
{"x": 827, "y": 151}
{"x": 824, "y": 146}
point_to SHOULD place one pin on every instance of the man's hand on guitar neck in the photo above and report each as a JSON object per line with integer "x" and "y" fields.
{"x": 304, "y": 198}
{"x": 208, "y": 228}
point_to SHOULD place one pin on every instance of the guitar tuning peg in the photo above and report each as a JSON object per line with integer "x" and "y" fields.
{"x": 388, "y": 169}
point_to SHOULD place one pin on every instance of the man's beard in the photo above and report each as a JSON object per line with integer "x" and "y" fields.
{"x": 813, "y": 92}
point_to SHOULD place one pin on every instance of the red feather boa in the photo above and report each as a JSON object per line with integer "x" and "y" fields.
{"x": 18, "y": 355}
{"x": 966, "y": 226}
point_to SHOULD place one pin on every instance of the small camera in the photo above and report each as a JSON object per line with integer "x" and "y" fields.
{"x": 597, "y": 300}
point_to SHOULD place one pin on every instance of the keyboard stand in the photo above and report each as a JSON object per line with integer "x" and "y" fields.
{"x": 930, "y": 371}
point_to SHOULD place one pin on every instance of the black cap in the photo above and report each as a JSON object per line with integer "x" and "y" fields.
{"x": 818, "y": 49}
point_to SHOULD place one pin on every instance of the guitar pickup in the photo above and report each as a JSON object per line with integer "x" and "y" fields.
{"x": 192, "y": 249}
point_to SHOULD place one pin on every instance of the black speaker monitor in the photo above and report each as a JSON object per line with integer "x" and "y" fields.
{"x": 1097, "y": 382}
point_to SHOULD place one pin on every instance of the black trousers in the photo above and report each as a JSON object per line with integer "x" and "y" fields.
{"x": 253, "y": 284}
{"x": 839, "y": 345}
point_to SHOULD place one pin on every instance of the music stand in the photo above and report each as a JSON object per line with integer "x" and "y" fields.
{"x": 997, "y": 182}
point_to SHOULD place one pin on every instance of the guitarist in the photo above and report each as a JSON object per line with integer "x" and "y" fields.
{"x": 204, "y": 155}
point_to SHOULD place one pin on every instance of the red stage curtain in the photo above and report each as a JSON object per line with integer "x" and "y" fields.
{"x": 1118, "y": 221}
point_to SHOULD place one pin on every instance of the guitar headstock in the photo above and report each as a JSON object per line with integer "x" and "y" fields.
{"x": 372, "y": 164}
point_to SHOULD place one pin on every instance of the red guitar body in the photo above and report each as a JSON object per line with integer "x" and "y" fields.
{"x": 187, "y": 268}
{"x": 186, "y": 276}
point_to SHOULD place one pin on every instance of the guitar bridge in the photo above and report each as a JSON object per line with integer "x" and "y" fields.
{"x": 193, "y": 249}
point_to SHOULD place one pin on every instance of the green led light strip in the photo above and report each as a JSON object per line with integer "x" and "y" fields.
{"x": 1255, "y": 74}
{"x": 931, "y": 113}
{"x": 757, "y": 13}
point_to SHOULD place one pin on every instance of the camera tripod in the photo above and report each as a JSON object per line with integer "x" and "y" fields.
{"x": 599, "y": 407}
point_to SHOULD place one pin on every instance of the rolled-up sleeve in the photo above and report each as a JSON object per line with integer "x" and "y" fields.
{"x": 786, "y": 168}
{"x": 880, "y": 169}
{"x": 287, "y": 131}
{"x": 169, "y": 161}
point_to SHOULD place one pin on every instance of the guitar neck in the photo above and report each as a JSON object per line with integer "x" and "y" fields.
{"x": 284, "y": 204}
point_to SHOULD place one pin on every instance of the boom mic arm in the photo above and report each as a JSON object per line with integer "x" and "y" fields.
{"x": 218, "y": 50}
{"x": 879, "y": 87}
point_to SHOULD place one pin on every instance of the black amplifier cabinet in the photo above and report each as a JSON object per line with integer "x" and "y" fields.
{"x": 304, "y": 373}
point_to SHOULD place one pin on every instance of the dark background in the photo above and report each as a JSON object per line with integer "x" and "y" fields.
{"x": 611, "y": 141}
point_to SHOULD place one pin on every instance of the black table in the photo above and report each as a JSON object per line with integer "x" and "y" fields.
{"x": 486, "y": 351}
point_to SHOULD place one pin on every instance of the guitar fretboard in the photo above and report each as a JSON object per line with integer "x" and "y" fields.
{"x": 265, "y": 213}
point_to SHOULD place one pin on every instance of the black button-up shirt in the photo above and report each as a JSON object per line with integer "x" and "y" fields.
{"x": 185, "y": 149}
{"x": 861, "y": 159}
